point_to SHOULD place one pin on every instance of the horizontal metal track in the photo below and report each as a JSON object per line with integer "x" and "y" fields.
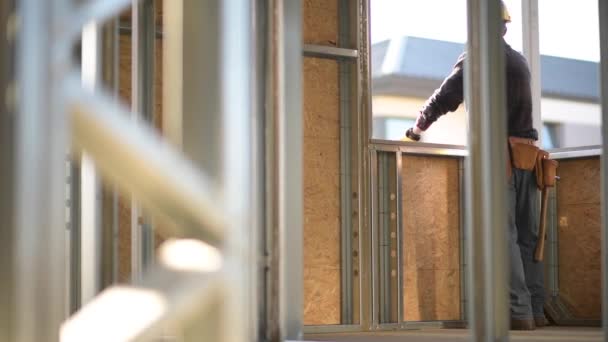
{"x": 576, "y": 152}
{"x": 419, "y": 148}
{"x": 461, "y": 151}
{"x": 323, "y": 51}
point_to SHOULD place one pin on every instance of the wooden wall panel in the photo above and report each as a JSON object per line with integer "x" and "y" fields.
{"x": 579, "y": 226}
{"x": 320, "y": 22}
{"x": 431, "y": 238}
{"x": 125, "y": 17}
{"x": 321, "y": 192}
{"x": 124, "y": 222}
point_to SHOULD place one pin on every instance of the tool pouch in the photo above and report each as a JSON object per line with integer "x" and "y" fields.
{"x": 523, "y": 155}
{"x": 549, "y": 172}
{"x": 546, "y": 170}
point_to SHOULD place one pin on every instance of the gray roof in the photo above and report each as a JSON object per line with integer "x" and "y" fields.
{"x": 416, "y": 66}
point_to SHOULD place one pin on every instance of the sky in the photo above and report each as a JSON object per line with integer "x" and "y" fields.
{"x": 566, "y": 28}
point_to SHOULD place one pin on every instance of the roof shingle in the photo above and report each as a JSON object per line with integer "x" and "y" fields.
{"x": 398, "y": 64}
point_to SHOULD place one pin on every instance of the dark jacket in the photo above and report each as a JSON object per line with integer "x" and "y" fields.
{"x": 519, "y": 97}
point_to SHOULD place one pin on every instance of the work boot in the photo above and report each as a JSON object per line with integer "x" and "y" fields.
{"x": 522, "y": 324}
{"x": 540, "y": 321}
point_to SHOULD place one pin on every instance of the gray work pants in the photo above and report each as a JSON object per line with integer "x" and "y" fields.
{"x": 527, "y": 292}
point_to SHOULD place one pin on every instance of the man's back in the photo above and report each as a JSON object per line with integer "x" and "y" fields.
{"x": 519, "y": 96}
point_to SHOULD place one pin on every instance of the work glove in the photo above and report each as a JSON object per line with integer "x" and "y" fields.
{"x": 412, "y": 135}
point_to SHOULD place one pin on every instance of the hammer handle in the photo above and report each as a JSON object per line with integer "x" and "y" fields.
{"x": 542, "y": 229}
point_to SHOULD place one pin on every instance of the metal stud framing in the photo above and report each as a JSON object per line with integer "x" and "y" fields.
{"x": 603, "y": 20}
{"x": 38, "y": 228}
{"x": 143, "y": 37}
{"x": 91, "y": 192}
{"x": 490, "y": 307}
{"x": 387, "y": 231}
{"x": 94, "y": 208}
{"x": 486, "y": 197}
{"x": 289, "y": 125}
{"x": 355, "y": 270}
{"x": 8, "y": 142}
{"x": 139, "y": 161}
{"x": 531, "y": 50}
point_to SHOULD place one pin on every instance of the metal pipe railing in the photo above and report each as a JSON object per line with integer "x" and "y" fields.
{"x": 140, "y": 161}
{"x": 142, "y": 311}
{"x": 92, "y": 12}
{"x": 133, "y": 156}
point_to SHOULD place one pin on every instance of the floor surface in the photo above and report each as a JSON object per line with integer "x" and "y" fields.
{"x": 438, "y": 335}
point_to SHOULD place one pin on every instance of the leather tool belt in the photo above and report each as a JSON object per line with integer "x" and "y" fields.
{"x": 525, "y": 155}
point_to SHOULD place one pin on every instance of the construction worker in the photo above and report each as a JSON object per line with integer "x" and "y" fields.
{"x": 527, "y": 294}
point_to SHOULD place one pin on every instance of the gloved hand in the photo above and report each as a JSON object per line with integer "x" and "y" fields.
{"x": 412, "y": 135}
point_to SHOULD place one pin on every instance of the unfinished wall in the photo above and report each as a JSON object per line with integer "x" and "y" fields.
{"x": 321, "y": 193}
{"x": 431, "y": 238}
{"x": 320, "y": 22}
{"x": 579, "y": 225}
{"x": 321, "y": 168}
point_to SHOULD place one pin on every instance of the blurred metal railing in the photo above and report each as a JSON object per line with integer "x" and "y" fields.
{"x": 200, "y": 283}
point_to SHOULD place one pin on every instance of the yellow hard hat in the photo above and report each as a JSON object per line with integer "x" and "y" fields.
{"x": 505, "y": 13}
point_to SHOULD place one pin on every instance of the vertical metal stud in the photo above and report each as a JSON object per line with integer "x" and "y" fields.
{"x": 75, "y": 240}
{"x": 91, "y": 192}
{"x": 603, "y": 20}
{"x": 463, "y": 239}
{"x": 399, "y": 200}
{"x": 259, "y": 292}
{"x": 385, "y": 178}
{"x": 288, "y": 49}
{"x": 39, "y": 176}
{"x": 8, "y": 141}
{"x": 208, "y": 108}
{"x": 109, "y": 207}
{"x": 372, "y": 315}
{"x": 486, "y": 200}
{"x": 143, "y": 38}
{"x": 531, "y": 50}
{"x": 95, "y": 208}
{"x": 552, "y": 259}
{"x": 346, "y": 175}
{"x": 235, "y": 81}
{"x": 365, "y": 165}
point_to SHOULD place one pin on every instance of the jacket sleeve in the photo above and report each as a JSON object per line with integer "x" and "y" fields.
{"x": 445, "y": 99}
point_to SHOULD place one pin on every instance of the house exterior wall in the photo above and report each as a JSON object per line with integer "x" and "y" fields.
{"x": 577, "y": 123}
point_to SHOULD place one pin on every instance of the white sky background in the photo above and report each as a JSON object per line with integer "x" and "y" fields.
{"x": 567, "y": 28}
